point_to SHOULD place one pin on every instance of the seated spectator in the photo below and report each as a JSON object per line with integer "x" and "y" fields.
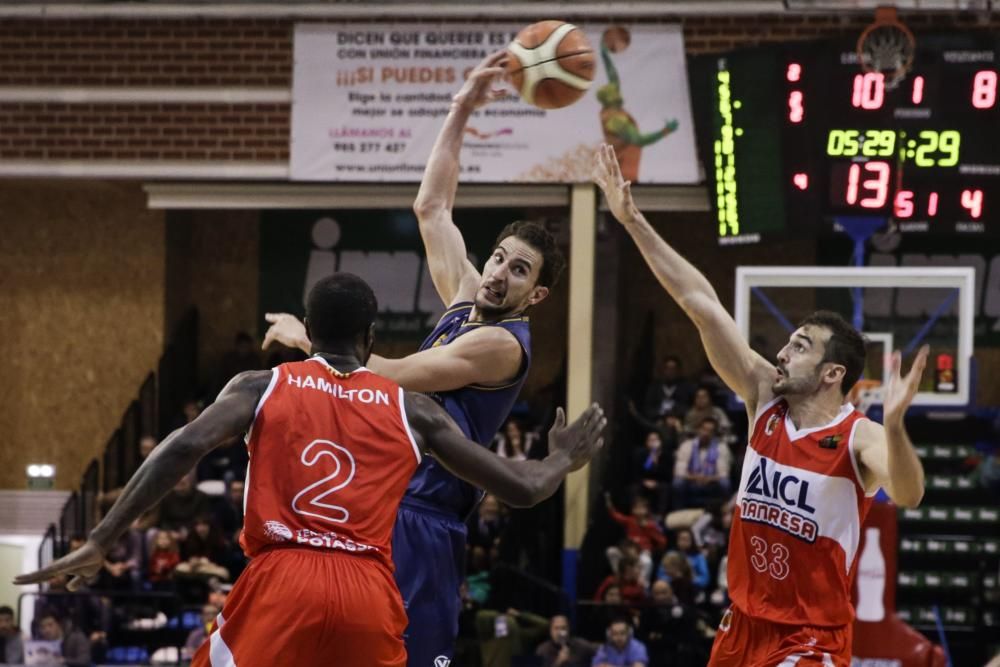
{"x": 11, "y": 638}
{"x": 504, "y": 636}
{"x": 228, "y": 512}
{"x": 633, "y": 592}
{"x": 669, "y": 630}
{"x": 642, "y": 529}
{"x": 180, "y": 504}
{"x": 701, "y": 468}
{"x": 74, "y": 644}
{"x": 621, "y": 648}
{"x": 652, "y": 468}
{"x": 987, "y": 473}
{"x": 703, "y": 409}
{"x": 163, "y": 558}
{"x": 513, "y": 443}
{"x": 676, "y": 571}
{"x": 669, "y": 393}
{"x": 696, "y": 559}
{"x": 122, "y": 563}
{"x": 198, "y": 636}
{"x": 711, "y": 530}
{"x": 490, "y": 522}
{"x": 202, "y": 551}
{"x": 563, "y": 650}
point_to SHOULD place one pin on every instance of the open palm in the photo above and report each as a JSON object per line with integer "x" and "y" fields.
{"x": 617, "y": 191}
{"x": 900, "y": 389}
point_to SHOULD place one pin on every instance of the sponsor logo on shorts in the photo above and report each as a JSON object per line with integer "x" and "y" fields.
{"x": 330, "y": 541}
{"x": 277, "y": 531}
{"x": 442, "y": 661}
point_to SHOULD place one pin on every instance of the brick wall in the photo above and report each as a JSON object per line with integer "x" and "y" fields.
{"x": 244, "y": 53}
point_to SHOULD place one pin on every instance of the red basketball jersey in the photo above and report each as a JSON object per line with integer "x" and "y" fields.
{"x": 797, "y": 521}
{"x": 330, "y": 457}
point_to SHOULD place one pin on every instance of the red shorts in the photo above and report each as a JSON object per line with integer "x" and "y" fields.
{"x": 297, "y": 606}
{"x": 742, "y": 641}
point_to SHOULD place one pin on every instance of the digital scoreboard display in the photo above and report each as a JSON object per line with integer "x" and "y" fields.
{"x": 924, "y": 153}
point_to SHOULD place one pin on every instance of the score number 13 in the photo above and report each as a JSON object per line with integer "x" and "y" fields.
{"x": 875, "y": 185}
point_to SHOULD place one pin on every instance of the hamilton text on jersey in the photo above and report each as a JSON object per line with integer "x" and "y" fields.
{"x": 375, "y": 396}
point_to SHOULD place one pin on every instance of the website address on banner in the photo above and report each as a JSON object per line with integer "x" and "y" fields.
{"x": 395, "y": 168}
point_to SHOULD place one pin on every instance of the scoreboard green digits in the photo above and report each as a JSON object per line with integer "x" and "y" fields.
{"x": 925, "y": 152}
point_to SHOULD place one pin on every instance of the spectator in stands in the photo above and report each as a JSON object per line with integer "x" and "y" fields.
{"x": 711, "y": 530}
{"x": 75, "y": 645}
{"x": 244, "y": 356}
{"x": 563, "y": 650}
{"x": 669, "y": 630}
{"x": 506, "y": 635}
{"x": 670, "y": 393}
{"x": 198, "y": 636}
{"x": 676, "y": 571}
{"x": 631, "y": 589}
{"x": 490, "y": 522}
{"x": 652, "y": 468}
{"x": 641, "y": 528}
{"x": 147, "y": 444}
{"x": 988, "y": 471}
{"x": 189, "y": 412}
{"x": 669, "y": 426}
{"x": 701, "y": 468}
{"x": 182, "y": 503}
{"x": 163, "y": 558}
{"x": 11, "y": 637}
{"x": 228, "y": 512}
{"x": 203, "y": 551}
{"x": 703, "y": 409}
{"x": 122, "y": 564}
{"x": 512, "y": 442}
{"x": 696, "y": 559}
{"x": 621, "y": 647}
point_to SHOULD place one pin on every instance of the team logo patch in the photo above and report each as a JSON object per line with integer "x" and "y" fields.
{"x": 830, "y": 441}
{"x": 442, "y": 661}
{"x": 772, "y": 422}
{"x": 277, "y": 531}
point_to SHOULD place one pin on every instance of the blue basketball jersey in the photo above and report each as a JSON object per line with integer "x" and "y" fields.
{"x": 478, "y": 410}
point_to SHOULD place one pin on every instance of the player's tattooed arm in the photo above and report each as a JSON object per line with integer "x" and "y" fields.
{"x": 885, "y": 453}
{"x": 454, "y": 276}
{"x": 230, "y": 416}
{"x": 516, "y": 483}
{"x": 745, "y": 372}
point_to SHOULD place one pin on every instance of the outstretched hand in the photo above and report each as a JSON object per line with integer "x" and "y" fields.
{"x": 81, "y": 564}
{"x": 287, "y": 330}
{"x": 617, "y": 191}
{"x": 900, "y": 390}
{"x": 479, "y": 89}
{"x": 581, "y": 440}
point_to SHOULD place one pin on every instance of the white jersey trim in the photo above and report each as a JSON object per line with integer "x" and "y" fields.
{"x": 853, "y": 454}
{"x": 263, "y": 399}
{"x": 795, "y": 434}
{"x": 219, "y": 654}
{"x": 760, "y": 412}
{"x": 406, "y": 424}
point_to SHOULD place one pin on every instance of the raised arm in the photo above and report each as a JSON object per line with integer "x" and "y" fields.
{"x": 885, "y": 454}
{"x": 517, "y": 483}
{"x": 454, "y": 276}
{"x": 229, "y": 416}
{"x": 743, "y": 370}
{"x": 488, "y": 355}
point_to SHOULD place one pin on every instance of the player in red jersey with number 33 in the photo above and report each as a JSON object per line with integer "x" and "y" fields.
{"x": 811, "y": 466}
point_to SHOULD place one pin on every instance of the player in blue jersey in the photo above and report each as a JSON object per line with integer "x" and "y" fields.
{"x": 474, "y": 362}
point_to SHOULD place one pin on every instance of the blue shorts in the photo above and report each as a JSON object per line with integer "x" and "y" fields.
{"x": 428, "y": 548}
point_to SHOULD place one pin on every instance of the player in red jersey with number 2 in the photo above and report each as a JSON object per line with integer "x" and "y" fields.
{"x": 332, "y": 447}
{"x": 811, "y": 466}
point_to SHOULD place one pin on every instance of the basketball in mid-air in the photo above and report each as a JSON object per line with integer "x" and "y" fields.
{"x": 551, "y": 64}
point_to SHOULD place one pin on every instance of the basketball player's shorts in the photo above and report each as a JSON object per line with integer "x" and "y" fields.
{"x": 309, "y": 608}
{"x": 742, "y": 641}
{"x": 428, "y": 548}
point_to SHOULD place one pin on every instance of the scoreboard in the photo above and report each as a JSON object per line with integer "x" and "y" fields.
{"x": 800, "y": 136}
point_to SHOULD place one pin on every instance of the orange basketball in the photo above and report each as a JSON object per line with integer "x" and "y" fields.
{"x": 551, "y": 64}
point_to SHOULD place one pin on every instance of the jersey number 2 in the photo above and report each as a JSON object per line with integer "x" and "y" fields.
{"x": 312, "y": 496}
{"x": 771, "y": 559}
